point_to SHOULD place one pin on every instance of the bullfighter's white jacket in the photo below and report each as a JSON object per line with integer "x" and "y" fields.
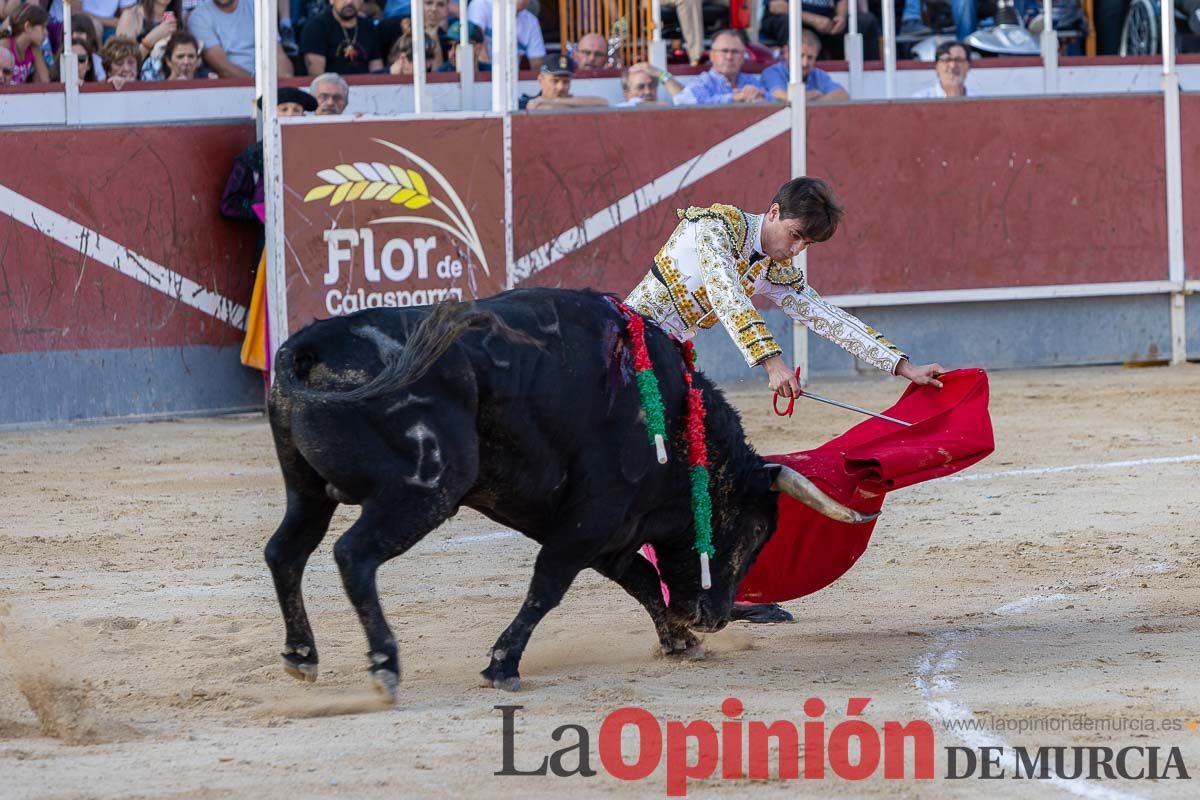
{"x": 708, "y": 271}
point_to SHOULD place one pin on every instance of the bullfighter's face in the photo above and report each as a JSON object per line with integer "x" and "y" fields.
{"x": 782, "y": 239}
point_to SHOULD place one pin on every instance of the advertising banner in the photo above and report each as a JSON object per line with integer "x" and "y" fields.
{"x": 391, "y": 214}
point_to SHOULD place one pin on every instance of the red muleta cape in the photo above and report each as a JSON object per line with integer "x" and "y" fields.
{"x": 951, "y": 431}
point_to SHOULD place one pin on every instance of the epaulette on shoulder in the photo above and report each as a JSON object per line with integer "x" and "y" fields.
{"x": 730, "y": 216}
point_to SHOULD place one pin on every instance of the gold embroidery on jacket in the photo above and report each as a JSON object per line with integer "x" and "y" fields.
{"x": 839, "y": 327}
{"x": 724, "y": 279}
{"x": 732, "y": 218}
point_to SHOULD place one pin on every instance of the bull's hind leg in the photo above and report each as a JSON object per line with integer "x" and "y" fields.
{"x": 641, "y": 581}
{"x": 304, "y": 525}
{"x": 385, "y": 530}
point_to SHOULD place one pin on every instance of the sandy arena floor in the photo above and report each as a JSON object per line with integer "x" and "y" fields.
{"x": 141, "y": 633}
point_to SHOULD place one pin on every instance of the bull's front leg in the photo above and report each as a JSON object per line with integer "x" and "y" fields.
{"x": 641, "y": 581}
{"x": 553, "y": 573}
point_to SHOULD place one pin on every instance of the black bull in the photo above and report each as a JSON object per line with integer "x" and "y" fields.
{"x": 524, "y": 407}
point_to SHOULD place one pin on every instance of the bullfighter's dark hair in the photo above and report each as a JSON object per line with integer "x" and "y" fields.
{"x": 812, "y": 201}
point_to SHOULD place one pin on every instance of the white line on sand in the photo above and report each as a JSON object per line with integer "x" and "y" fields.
{"x": 1013, "y": 473}
{"x": 935, "y": 681}
{"x": 482, "y": 537}
{"x": 1018, "y": 606}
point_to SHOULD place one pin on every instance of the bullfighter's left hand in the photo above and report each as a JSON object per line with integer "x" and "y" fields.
{"x": 921, "y": 374}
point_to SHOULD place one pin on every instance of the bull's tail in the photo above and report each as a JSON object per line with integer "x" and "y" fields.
{"x": 443, "y": 326}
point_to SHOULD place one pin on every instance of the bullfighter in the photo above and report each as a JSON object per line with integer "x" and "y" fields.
{"x": 719, "y": 257}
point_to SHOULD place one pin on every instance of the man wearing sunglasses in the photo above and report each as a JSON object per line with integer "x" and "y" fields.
{"x": 725, "y": 82}
{"x": 953, "y": 64}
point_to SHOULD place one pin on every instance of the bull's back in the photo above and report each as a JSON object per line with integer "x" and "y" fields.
{"x": 538, "y": 413}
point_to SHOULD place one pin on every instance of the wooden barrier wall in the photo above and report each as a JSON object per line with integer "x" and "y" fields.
{"x": 947, "y": 195}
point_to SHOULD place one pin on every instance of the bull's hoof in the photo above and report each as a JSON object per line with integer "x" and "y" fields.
{"x": 386, "y": 684}
{"x": 512, "y": 684}
{"x": 682, "y": 645}
{"x": 761, "y": 613}
{"x": 495, "y": 677}
{"x": 300, "y": 662}
{"x": 301, "y": 671}
{"x": 693, "y": 653}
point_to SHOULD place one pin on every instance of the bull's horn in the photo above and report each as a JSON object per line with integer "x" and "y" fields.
{"x": 800, "y": 488}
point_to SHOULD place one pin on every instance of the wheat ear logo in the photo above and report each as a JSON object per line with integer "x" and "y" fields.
{"x": 401, "y": 186}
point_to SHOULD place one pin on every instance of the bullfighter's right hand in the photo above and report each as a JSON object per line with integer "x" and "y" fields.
{"x": 780, "y": 377}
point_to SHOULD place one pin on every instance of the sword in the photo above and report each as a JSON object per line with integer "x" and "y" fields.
{"x": 850, "y": 407}
{"x": 787, "y": 412}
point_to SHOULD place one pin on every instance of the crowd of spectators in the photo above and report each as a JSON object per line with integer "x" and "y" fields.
{"x": 120, "y": 41}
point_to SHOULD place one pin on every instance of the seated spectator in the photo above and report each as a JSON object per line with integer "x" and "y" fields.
{"x": 23, "y": 40}
{"x": 963, "y": 12}
{"x": 554, "y": 79}
{"x": 529, "y": 31}
{"x": 342, "y": 41}
{"x": 437, "y": 19}
{"x": 640, "y": 84}
{"x": 953, "y": 64}
{"x": 401, "y": 58}
{"x": 225, "y": 29}
{"x": 104, "y": 14}
{"x": 450, "y": 41}
{"x": 817, "y": 83}
{"x": 292, "y": 102}
{"x": 724, "y": 82}
{"x": 176, "y": 60}
{"x": 591, "y": 52}
{"x": 332, "y": 94}
{"x": 7, "y": 67}
{"x": 437, "y": 22}
{"x": 150, "y": 22}
{"x": 829, "y": 20}
{"x": 122, "y": 60}
{"x": 84, "y": 32}
{"x": 83, "y": 59}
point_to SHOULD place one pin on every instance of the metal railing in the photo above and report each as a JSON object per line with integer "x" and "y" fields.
{"x": 627, "y": 25}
